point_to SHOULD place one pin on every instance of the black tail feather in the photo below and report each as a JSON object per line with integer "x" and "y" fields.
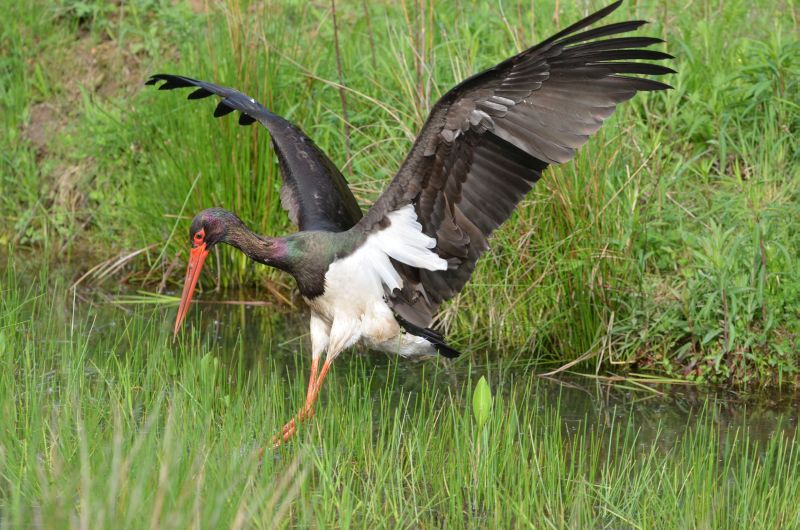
{"x": 430, "y": 335}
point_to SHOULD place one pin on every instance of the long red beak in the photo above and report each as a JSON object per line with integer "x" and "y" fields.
{"x": 196, "y": 261}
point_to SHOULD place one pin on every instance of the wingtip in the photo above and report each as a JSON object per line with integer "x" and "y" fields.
{"x": 200, "y": 93}
{"x": 579, "y": 25}
{"x": 171, "y": 81}
{"x": 654, "y": 86}
{"x": 610, "y": 8}
{"x": 155, "y": 78}
{"x": 222, "y": 109}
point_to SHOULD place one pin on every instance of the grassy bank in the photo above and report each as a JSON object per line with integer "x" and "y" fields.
{"x": 108, "y": 424}
{"x": 668, "y": 245}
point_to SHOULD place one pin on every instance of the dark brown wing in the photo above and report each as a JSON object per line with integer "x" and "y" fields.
{"x": 487, "y": 141}
{"x": 314, "y": 192}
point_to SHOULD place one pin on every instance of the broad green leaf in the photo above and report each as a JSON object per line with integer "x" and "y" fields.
{"x": 482, "y": 402}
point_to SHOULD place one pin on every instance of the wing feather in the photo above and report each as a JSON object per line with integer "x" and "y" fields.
{"x": 487, "y": 141}
{"x": 314, "y": 192}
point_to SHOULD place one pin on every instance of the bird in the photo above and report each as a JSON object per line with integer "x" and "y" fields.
{"x": 378, "y": 277}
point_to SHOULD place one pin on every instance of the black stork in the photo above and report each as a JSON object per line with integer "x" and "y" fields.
{"x": 380, "y": 277}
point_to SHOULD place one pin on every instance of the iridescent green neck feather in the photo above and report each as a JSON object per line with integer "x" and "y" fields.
{"x": 304, "y": 255}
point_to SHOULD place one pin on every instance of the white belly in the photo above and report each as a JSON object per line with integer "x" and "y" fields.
{"x": 367, "y": 319}
{"x": 353, "y": 304}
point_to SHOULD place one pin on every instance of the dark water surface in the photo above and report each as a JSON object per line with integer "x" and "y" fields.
{"x": 267, "y": 337}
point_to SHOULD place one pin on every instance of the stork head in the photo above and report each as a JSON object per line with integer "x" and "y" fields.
{"x": 208, "y": 228}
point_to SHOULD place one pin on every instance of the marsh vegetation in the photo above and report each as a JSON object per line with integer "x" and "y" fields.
{"x": 109, "y": 424}
{"x": 662, "y": 260}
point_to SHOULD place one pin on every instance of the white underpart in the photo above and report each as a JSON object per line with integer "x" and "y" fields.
{"x": 353, "y": 306}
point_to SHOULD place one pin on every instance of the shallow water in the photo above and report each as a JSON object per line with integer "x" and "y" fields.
{"x": 266, "y": 337}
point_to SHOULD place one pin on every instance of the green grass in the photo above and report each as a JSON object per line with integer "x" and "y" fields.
{"x": 667, "y": 249}
{"x": 109, "y": 424}
{"x": 668, "y": 245}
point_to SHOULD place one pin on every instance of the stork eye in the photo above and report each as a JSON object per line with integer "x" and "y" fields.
{"x": 199, "y": 236}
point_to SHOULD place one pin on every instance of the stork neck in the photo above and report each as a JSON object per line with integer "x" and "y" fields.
{"x": 263, "y": 249}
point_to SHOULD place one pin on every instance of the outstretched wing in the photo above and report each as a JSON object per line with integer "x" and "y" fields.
{"x": 314, "y": 192}
{"x": 487, "y": 141}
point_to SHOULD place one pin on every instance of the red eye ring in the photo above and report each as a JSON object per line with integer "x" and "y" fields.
{"x": 200, "y": 236}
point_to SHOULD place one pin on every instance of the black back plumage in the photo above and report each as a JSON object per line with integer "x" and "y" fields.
{"x": 314, "y": 193}
{"x": 487, "y": 141}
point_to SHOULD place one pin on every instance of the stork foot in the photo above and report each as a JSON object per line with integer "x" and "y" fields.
{"x": 290, "y": 428}
{"x": 286, "y": 433}
{"x": 307, "y": 412}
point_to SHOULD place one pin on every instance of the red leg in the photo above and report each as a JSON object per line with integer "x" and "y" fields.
{"x": 314, "y": 384}
{"x": 312, "y": 380}
{"x": 308, "y": 409}
{"x": 312, "y": 398}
